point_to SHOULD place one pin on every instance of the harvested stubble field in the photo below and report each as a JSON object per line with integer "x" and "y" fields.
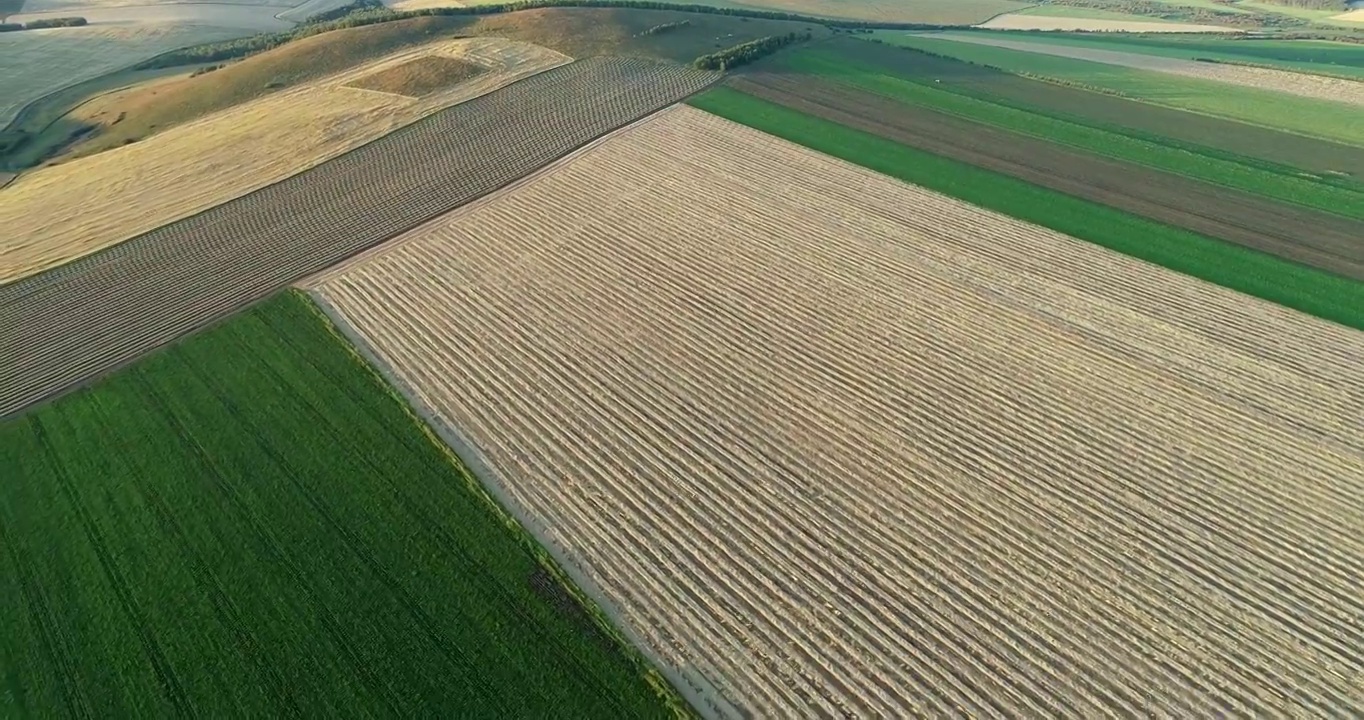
{"x": 63, "y": 212}
{"x": 1317, "y": 87}
{"x": 70, "y": 324}
{"x": 1059, "y": 22}
{"x": 53, "y": 59}
{"x": 845, "y": 446}
{"x": 1318, "y": 239}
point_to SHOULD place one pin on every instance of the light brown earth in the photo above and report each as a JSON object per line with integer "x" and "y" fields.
{"x": 1318, "y": 87}
{"x": 841, "y": 445}
{"x": 947, "y": 12}
{"x": 58, "y": 213}
{"x": 420, "y": 77}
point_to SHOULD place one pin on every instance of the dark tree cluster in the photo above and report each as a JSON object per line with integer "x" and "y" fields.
{"x": 56, "y": 23}
{"x": 748, "y": 52}
{"x": 10, "y": 27}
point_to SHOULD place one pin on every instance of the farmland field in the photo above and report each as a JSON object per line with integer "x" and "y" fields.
{"x": 252, "y": 524}
{"x": 1297, "y": 55}
{"x": 968, "y": 92}
{"x": 1326, "y": 119}
{"x": 78, "y": 207}
{"x": 100, "y": 311}
{"x": 1065, "y": 18}
{"x": 53, "y": 59}
{"x": 838, "y": 445}
{"x": 1303, "y": 85}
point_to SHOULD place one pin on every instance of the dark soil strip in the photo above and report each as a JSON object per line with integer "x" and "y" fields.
{"x": 77, "y": 322}
{"x": 1322, "y": 240}
{"x": 1229, "y": 136}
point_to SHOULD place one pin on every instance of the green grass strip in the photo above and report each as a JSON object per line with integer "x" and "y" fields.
{"x": 1266, "y": 108}
{"x": 1296, "y": 286}
{"x": 1291, "y": 188}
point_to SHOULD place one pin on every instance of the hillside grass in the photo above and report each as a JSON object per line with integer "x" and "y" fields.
{"x": 934, "y": 12}
{"x": 1247, "y": 174}
{"x": 1296, "y": 286}
{"x": 253, "y": 523}
{"x": 1266, "y": 108}
{"x": 1295, "y": 55}
{"x": 135, "y": 114}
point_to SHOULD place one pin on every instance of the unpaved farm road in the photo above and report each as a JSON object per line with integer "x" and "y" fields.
{"x": 852, "y": 448}
{"x": 1316, "y": 87}
{"x": 1323, "y": 240}
{"x": 69, "y": 325}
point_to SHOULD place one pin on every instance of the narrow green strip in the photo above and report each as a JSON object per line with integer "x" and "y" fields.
{"x": 1255, "y": 273}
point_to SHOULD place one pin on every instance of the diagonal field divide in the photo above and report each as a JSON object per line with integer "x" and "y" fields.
{"x": 72, "y": 324}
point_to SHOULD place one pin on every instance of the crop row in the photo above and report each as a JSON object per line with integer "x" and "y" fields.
{"x": 846, "y": 446}
{"x": 70, "y": 324}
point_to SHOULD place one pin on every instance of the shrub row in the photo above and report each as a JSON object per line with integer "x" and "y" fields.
{"x": 44, "y": 24}
{"x": 748, "y": 52}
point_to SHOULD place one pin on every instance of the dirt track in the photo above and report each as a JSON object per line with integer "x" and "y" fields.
{"x": 848, "y": 447}
{"x": 70, "y": 324}
{"x": 1319, "y": 239}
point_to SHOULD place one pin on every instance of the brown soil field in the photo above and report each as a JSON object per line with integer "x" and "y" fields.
{"x": 946, "y": 12}
{"x": 62, "y": 212}
{"x": 1024, "y": 21}
{"x": 1318, "y": 87}
{"x": 839, "y": 446}
{"x": 1310, "y": 154}
{"x": 419, "y": 77}
{"x": 1323, "y": 240}
{"x": 67, "y": 326}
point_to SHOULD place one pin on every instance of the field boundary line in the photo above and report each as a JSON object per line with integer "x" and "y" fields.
{"x": 711, "y": 706}
{"x": 393, "y": 244}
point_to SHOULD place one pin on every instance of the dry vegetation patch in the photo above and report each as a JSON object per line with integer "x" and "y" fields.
{"x": 1022, "y": 21}
{"x": 847, "y": 447}
{"x": 61, "y": 212}
{"x": 420, "y": 77}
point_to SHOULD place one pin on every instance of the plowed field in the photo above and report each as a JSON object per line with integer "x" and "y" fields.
{"x": 59, "y": 213}
{"x": 838, "y": 445}
{"x": 75, "y": 322}
{"x": 1311, "y": 237}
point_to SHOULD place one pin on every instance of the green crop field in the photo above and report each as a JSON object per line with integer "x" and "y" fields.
{"x": 252, "y": 524}
{"x": 1310, "y": 56}
{"x": 1317, "y": 118}
{"x": 1254, "y": 273}
{"x": 959, "y": 99}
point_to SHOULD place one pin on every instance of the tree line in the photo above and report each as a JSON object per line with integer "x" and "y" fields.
{"x": 44, "y": 23}
{"x": 748, "y": 52}
{"x": 665, "y": 27}
{"x": 371, "y": 12}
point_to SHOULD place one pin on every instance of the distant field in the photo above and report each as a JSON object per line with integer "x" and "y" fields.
{"x": 54, "y": 59}
{"x": 252, "y": 522}
{"x": 1297, "y": 55}
{"x": 845, "y": 447}
{"x": 81, "y": 206}
{"x": 1067, "y": 18}
{"x": 925, "y": 81}
{"x": 945, "y": 12}
{"x": 1320, "y": 118}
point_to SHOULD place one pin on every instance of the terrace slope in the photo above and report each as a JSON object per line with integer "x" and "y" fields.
{"x": 843, "y": 446}
{"x": 76, "y": 322}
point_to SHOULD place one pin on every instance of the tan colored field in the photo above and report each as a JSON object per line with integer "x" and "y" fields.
{"x": 842, "y": 446}
{"x": 1352, "y": 16}
{"x": 53, "y": 59}
{"x": 58, "y": 213}
{"x": 1016, "y": 21}
{"x": 1303, "y": 85}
